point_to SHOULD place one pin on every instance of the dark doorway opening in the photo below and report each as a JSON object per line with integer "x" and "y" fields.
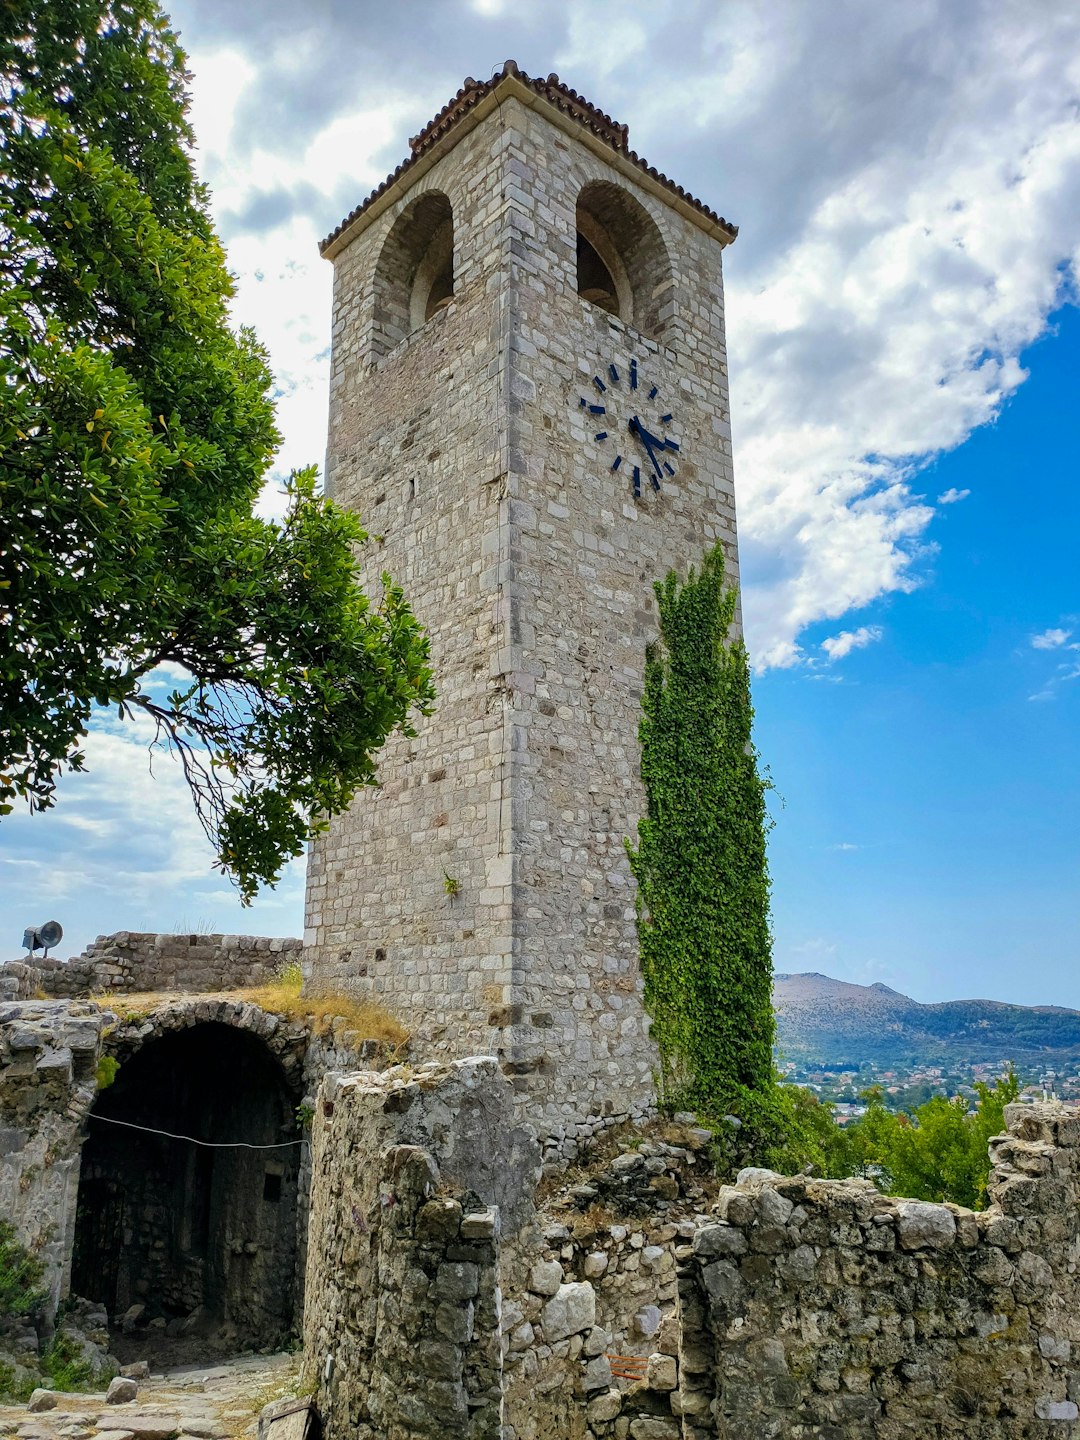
{"x": 202, "y": 1235}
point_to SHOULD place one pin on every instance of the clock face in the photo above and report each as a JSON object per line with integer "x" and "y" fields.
{"x": 632, "y": 425}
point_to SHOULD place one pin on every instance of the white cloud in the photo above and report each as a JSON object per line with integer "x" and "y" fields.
{"x": 952, "y": 496}
{"x": 1052, "y": 639}
{"x": 1058, "y": 641}
{"x": 122, "y": 849}
{"x": 837, "y": 646}
{"x": 844, "y": 845}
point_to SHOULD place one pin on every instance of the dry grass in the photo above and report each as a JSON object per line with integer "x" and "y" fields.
{"x": 283, "y": 997}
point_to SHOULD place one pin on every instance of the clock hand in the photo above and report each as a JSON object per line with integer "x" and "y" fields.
{"x": 649, "y": 441}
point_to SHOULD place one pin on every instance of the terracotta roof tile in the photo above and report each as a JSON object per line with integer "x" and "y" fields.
{"x": 556, "y": 93}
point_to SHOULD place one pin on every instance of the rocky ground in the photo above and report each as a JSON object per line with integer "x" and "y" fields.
{"x": 204, "y": 1403}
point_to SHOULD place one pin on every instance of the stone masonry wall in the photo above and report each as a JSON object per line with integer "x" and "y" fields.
{"x": 794, "y": 1308}
{"x": 401, "y": 1321}
{"x": 822, "y": 1308}
{"x": 48, "y": 1055}
{"x": 132, "y": 961}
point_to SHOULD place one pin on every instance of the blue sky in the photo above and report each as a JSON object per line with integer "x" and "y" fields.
{"x": 904, "y": 357}
{"x": 928, "y": 793}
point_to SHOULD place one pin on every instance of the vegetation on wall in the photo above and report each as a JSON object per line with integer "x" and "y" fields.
{"x": 136, "y": 435}
{"x": 21, "y": 1291}
{"x": 700, "y": 866}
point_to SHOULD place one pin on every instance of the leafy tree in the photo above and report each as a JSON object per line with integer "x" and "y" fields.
{"x": 810, "y": 1136}
{"x": 136, "y": 431}
{"x": 703, "y": 890}
{"x": 940, "y": 1152}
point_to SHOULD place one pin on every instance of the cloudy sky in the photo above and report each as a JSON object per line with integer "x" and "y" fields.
{"x": 904, "y": 357}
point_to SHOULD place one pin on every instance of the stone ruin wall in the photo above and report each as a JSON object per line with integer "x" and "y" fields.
{"x": 787, "y": 1308}
{"x": 49, "y": 1053}
{"x": 132, "y": 961}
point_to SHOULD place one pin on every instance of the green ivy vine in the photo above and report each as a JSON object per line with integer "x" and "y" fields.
{"x": 700, "y": 864}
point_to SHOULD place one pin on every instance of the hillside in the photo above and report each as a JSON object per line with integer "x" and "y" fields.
{"x": 829, "y": 1022}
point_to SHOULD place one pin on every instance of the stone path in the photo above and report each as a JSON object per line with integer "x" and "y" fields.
{"x": 220, "y": 1402}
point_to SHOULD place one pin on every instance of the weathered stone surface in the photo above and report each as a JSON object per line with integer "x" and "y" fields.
{"x": 545, "y": 1277}
{"x": 143, "y": 1424}
{"x": 647, "y": 1321}
{"x": 570, "y": 1310}
{"x": 662, "y": 1373}
{"x": 923, "y": 1226}
{"x": 121, "y": 1390}
{"x": 1047, "y": 1408}
{"x": 41, "y": 1400}
{"x": 603, "y": 1408}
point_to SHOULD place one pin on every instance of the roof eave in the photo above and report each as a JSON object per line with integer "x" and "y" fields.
{"x": 510, "y": 87}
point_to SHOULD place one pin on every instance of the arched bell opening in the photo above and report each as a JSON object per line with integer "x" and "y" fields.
{"x": 623, "y": 265}
{"x": 414, "y": 276}
{"x": 188, "y": 1191}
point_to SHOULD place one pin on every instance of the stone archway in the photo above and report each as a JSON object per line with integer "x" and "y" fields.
{"x": 204, "y": 1235}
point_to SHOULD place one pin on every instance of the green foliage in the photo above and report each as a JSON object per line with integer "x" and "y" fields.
{"x": 105, "y": 1072}
{"x": 940, "y": 1152}
{"x": 811, "y": 1138}
{"x": 15, "y": 1389}
{"x": 21, "y": 1291}
{"x": 305, "y": 1114}
{"x": 291, "y": 976}
{"x": 136, "y": 432}
{"x": 451, "y": 885}
{"x": 65, "y": 1366}
{"x": 703, "y": 890}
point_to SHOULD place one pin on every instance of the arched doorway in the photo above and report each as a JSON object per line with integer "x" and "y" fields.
{"x": 202, "y": 1234}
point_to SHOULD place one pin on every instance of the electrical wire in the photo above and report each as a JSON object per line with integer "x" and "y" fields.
{"x": 206, "y": 1144}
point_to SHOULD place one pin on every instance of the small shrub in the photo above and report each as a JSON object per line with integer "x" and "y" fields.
{"x": 21, "y": 1291}
{"x": 68, "y": 1368}
{"x": 106, "y": 1070}
{"x": 15, "y": 1389}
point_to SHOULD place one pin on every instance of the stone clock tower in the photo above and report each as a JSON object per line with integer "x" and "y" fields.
{"x": 529, "y": 410}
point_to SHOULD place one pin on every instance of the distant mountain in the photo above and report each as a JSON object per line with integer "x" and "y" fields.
{"x": 831, "y": 1022}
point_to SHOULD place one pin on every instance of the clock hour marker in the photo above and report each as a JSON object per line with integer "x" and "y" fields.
{"x": 655, "y": 482}
{"x": 597, "y": 409}
{"x": 653, "y": 393}
{"x": 613, "y": 373}
{"x": 633, "y": 374}
{"x": 669, "y": 470}
{"x": 637, "y": 482}
{"x": 599, "y": 384}
{"x": 600, "y": 435}
{"x": 671, "y": 445}
{"x": 616, "y": 462}
{"x": 666, "y": 419}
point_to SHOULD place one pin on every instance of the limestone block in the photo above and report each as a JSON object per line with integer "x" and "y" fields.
{"x": 649, "y": 1428}
{"x": 569, "y": 1311}
{"x": 647, "y": 1321}
{"x": 603, "y": 1408}
{"x": 921, "y": 1225}
{"x": 121, "y": 1391}
{"x": 662, "y": 1372}
{"x": 456, "y": 1280}
{"x": 594, "y": 1264}
{"x": 1048, "y": 1408}
{"x": 545, "y": 1277}
{"x": 597, "y": 1375}
{"x": 41, "y": 1400}
{"x": 713, "y": 1241}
